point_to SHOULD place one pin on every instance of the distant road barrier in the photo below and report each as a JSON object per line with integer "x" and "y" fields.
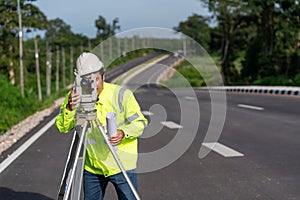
{"x": 274, "y": 90}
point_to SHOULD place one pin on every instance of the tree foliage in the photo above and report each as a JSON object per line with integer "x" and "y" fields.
{"x": 196, "y": 27}
{"x": 32, "y": 18}
{"x": 276, "y": 43}
{"x": 58, "y": 33}
{"x": 267, "y": 31}
{"x": 104, "y": 29}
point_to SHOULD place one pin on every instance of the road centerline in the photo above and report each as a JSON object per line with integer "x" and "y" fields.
{"x": 250, "y": 107}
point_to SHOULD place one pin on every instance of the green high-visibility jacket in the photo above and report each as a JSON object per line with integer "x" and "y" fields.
{"x": 99, "y": 159}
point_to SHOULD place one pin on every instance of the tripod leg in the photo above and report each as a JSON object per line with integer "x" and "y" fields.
{"x": 77, "y": 184}
{"x": 111, "y": 148}
{"x": 74, "y": 178}
{"x": 67, "y": 170}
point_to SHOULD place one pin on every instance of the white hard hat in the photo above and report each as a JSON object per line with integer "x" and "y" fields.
{"x": 88, "y": 63}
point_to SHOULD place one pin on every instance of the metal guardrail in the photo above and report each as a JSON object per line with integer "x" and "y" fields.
{"x": 273, "y": 90}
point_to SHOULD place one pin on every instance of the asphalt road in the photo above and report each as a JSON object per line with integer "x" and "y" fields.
{"x": 267, "y": 137}
{"x": 149, "y": 76}
{"x": 269, "y": 140}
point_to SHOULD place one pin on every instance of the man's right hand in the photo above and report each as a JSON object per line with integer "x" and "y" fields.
{"x": 74, "y": 99}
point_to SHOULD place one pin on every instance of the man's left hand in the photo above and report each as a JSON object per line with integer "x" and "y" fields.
{"x": 117, "y": 138}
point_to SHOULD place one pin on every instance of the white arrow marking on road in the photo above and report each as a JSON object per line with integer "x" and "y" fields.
{"x": 171, "y": 125}
{"x": 250, "y": 107}
{"x": 222, "y": 149}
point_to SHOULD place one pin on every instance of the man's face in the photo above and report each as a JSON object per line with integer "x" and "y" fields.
{"x": 99, "y": 80}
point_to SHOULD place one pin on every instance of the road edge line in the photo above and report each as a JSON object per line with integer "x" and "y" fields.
{"x": 11, "y": 158}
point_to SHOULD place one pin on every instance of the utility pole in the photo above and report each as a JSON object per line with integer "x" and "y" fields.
{"x": 57, "y": 69}
{"x": 71, "y": 64}
{"x": 119, "y": 47}
{"x": 37, "y": 63}
{"x": 101, "y": 50}
{"x": 90, "y": 45}
{"x": 184, "y": 47}
{"x": 63, "y": 67}
{"x": 110, "y": 53}
{"x": 21, "y": 49}
{"x": 48, "y": 69}
{"x": 125, "y": 46}
{"x": 132, "y": 44}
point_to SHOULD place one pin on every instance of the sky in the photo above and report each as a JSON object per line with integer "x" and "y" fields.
{"x": 81, "y": 14}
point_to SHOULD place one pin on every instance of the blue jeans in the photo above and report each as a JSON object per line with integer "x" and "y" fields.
{"x": 95, "y": 185}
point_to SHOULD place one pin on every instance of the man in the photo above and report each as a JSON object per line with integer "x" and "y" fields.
{"x": 100, "y": 166}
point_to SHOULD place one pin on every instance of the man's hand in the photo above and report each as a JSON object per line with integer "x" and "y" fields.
{"x": 74, "y": 99}
{"x": 116, "y": 138}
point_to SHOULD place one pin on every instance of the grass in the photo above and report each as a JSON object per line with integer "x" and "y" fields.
{"x": 197, "y": 71}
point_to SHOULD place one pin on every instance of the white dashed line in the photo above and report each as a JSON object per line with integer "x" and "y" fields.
{"x": 171, "y": 125}
{"x": 222, "y": 149}
{"x": 250, "y": 107}
{"x": 190, "y": 98}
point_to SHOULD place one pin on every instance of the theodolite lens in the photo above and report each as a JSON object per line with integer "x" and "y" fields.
{"x": 86, "y": 85}
{"x": 85, "y": 81}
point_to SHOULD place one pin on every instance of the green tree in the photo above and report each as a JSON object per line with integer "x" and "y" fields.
{"x": 263, "y": 35}
{"x": 288, "y": 37}
{"x": 273, "y": 51}
{"x": 59, "y": 33}
{"x": 104, "y": 29}
{"x": 196, "y": 27}
{"x": 230, "y": 15}
{"x": 260, "y": 58}
{"x": 32, "y": 19}
{"x": 216, "y": 40}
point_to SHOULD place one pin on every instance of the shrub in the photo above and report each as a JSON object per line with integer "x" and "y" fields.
{"x": 297, "y": 80}
{"x": 273, "y": 81}
{"x": 14, "y": 108}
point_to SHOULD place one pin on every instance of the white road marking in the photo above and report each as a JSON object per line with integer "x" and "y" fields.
{"x": 171, "y": 125}
{"x": 147, "y": 113}
{"x": 190, "y": 98}
{"x": 222, "y": 149}
{"x": 250, "y": 107}
{"x": 24, "y": 146}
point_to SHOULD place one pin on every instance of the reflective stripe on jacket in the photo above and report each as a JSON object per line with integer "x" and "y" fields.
{"x": 116, "y": 99}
